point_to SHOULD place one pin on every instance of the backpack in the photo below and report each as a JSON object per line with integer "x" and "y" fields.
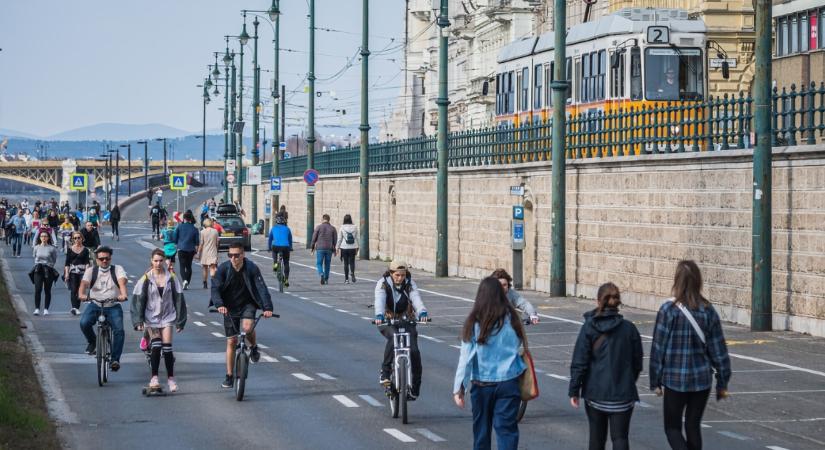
{"x": 95, "y": 271}
{"x": 349, "y": 239}
{"x": 155, "y": 211}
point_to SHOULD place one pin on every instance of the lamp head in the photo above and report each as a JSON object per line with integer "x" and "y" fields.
{"x": 244, "y": 36}
{"x": 273, "y": 11}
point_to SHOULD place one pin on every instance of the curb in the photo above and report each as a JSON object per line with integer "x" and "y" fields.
{"x": 56, "y": 402}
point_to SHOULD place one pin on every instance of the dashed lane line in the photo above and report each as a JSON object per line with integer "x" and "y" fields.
{"x": 733, "y": 435}
{"x": 344, "y": 400}
{"x": 302, "y": 376}
{"x": 322, "y": 304}
{"x": 558, "y": 377}
{"x": 398, "y": 434}
{"x": 775, "y": 447}
{"x": 268, "y": 358}
{"x": 289, "y": 358}
{"x": 200, "y": 324}
{"x": 216, "y": 334}
{"x": 430, "y": 338}
{"x": 325, "y": 376}
{"x": 199, "y": 314}
{"x": 370, "y": 400}
{"x": 303, "y": 298}
{"x": 429, "y": 435}
{"x": 262, "y": 346}
{"x": 342, "y": 310}
{"x": 215, "y": 323}
{"x": 366, "y": 318}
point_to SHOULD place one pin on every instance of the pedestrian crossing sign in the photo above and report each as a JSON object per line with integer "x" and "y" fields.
{"x": 177, "y": 182}
{"x": 80, "y": 182}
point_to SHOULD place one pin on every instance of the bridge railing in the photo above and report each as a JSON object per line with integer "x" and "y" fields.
{"x": 716, "y": 124}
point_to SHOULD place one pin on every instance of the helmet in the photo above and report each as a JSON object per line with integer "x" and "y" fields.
{"x": 279, "y": 219}
{"x": 104, "y": 249}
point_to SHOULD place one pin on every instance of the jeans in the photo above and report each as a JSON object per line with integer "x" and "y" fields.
{"x": 415, "y": 355}
{"x": 16, "y": 244}
{"x": 348, "y": 255}
{"x": 619, "y": 428}
{"x": 114, "y": 315}
{"x": 323, "y": 258}
{"x": 42, "y": 282}
{"x": 186, "y": 264}
{"x": 691, "y": 405}
{"x": 496, "y": 407}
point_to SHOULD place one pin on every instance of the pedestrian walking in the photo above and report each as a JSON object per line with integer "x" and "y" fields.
{"x": 18, "y": 226}
{"x": 284, "y": 214}
{"x": 158, "y": 306}
{"x": 208, "y": 250}
{"x": 114, "y": 220}
{"x": 169, "y": 247}
{"x": 43, "y": 274}
{"x": 688, "y": 348}
{"x": 323, "y": 245}
{"x": 490, "y": 365}
{"x": 34, "y": 228}
{"x": 348, "y": 247}
{"x": 607, "y": 360}
{"x": 187, "y": 240}
{"x": 27, "y": 235}
{"x": 77, "y": 261}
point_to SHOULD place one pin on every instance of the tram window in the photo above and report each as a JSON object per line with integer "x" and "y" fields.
{"x": 602, "y": 73}
{"x": 578, "y": 92}
{"x": 674, "y": 74}
{"x": 821, "y": 31}
{"x": 794, "y": 35}
{"x": 568, "y": 68}
{"x": 511, "y": 97}
{"x": 548, "y": 91}
{"x": 584, "y": 78}
{"x": 537, "y": 79}
{"x": 617, "y": 77}
{"x": 498, "y": 94}
{"x": 804, "y": 32}
{"x": 636, "y": 73}
{"x": 525, "y": 89}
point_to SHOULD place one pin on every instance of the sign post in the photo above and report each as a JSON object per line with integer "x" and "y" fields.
{"x": 311, "y": 176}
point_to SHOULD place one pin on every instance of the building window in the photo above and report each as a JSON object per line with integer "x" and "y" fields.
{"x": 784, "y": 34}
{"x": 498, "y": 94}
{"x": 794, "y": 31}
{"x": 804, "y": 32}
{"x": 537, "y": 79}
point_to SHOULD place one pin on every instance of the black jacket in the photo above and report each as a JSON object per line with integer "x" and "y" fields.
{"x": 253, "y": 280}
{"x": 609, "y": 372}
{"x": 91, "y": 239}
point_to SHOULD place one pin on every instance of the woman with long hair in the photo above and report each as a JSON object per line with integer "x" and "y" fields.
{"x": 688, "y": 347}
{"x": 490, "y": 363}
{"x": 158, "y": 306}
{"x": 77, "y": 260}
{"x": 348, "y": 247}
{"x": 43, "y": 274}
{"x": 169, "y": 247}
{"x": 607, "y": 360}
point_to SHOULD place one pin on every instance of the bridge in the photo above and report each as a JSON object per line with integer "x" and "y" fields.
{"x": 55, "y": 175}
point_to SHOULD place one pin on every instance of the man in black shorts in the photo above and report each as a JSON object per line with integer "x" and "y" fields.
{"x": 154, "y": 215}
{"x": 238, "y": 291}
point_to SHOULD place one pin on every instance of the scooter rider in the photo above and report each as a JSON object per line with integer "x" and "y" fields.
{"x": 397, "y": 296}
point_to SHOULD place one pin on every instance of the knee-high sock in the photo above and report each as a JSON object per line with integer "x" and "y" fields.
{"x": 169, "y": 359}
{"x": 154, "y": 357}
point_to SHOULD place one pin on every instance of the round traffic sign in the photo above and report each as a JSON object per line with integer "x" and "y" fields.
{"x": 230, "y": 178}
{"x": 311, "y": 176}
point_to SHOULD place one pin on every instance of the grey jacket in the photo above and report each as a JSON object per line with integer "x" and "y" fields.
{"x": 45, "y": 254}
{"x": 381, "y": 296}
{"x": 342, "y": 237}
{"x": 154, "y": 310}
{"x": 324, "y": 237}
{"x": 521, "y": 303}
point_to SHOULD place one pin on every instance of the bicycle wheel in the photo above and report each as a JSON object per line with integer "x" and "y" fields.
{"x": 241, "y": 367}
{"x": 521, "y": 410}
{"x": 402, "y": 389}
{"x": 107, "y": 354}
{"x": 281, "y": 277}
{"x": 101, "y": 362}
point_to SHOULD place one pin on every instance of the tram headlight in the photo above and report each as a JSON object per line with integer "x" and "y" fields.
{"x": 675, "y": 130}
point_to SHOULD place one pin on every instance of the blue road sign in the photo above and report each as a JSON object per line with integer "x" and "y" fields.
{"x": 282, "y": 145}
{"x": 311, "y": 176}
{"x": 518, "y": 212}
{"x": 177, "y": 182}
{"x": 275, "y": 185}
{"x": 79, "y": 182}
{"x": 518, "y": 231}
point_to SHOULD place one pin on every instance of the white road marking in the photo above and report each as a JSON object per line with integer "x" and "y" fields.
{"x": 733, "y": 435}
{"x": 268, "y": 358}
{"x": 199, "y": 314}
{"x": 344, "y": 400}
{"x": 774, "y": 447}
{"x": 216, "y": 323}
{"x": 455, "y": 346}
{"x": 262, "y": 346}
{"x": 200, "y": 324}
{"x": 706, "y": 426}
{"x": 147, "y": 245}
{"x": 369, "y": 399}
{"x": 645, "y": 405}
{"x": 325, "y": 376}
{"x": 365, "y": 318}
{"x": 430, "y": 338}
{"x": 289, "y": 358}
{"x": 398, "y": 435}
{"x": 558, "y": 377}
{"x": 352, "y": 313}
{"x": 216, "y": 334}
{"x": 429, "y": 435}
{"x": 303, "y": 298}
{"x": 322, "y": 304}
{"x": 342, "y": 310}
{"x": 301, "y": 376}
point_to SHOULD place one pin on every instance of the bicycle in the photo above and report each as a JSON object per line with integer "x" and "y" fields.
{"x": 279, "y": 263}
{"x": 400, "y": 378}
{"x": 103, "y": 344}
{"x": 241, "y": 363}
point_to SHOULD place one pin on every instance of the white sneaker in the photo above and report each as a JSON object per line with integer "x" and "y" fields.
{"x": 74, "y": 311}
{"x": 45, "y": 312}
{"x": 185, "y": 284}
{"x": 173, "y": 387}
{"x": 36, "y": 311}
{"x": 154, "y": 383}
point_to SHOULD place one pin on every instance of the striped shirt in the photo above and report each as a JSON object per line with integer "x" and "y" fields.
{"x": 679, "y": 360}
{"x": 612, "y": 407}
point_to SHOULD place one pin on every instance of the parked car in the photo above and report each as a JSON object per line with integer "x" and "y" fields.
{"x": 234, "y": 230}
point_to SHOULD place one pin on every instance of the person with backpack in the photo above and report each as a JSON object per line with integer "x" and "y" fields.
{"x": 607, "y": 360}
{"x": 323, "y": 245}
{"x": 159, "y": 307}
{"x": 397, "y": 296}
{"x": 105, "y": 283}
{"x": 169, "y": 248}
{"x": 280, "y": 241}
{"x": 348, "y": 247}
{"x": 187, "y": 240}
{"x": 154, "y": 217}
{"x": 688, "y": 347}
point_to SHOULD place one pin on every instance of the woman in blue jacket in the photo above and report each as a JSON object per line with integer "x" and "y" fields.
{"x": 607, "y": 360}
{"x": 491, "y": 364}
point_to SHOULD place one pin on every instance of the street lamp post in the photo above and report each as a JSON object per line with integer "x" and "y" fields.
{"x": 128, "y": 167}
{"x": 275, "y": 16}
{"x": 233, "y": 136}
{"x": 311, "y": 131}
{"x": 117, "y": 174}
{"x": 243, "y": 38}
{"x": 441, "y": 256}
{"x": 165, "y": 175}
{"x": 365, "y": 135}
{"x": 256, "y": 100}
{"x": 226, "y": 60}
{"x": 145, "y": 163}
{"x": 558, "y": 278}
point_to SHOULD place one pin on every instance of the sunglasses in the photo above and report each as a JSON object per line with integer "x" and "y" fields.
{"x": 105, "y": 258}
{"x": 77, "y": 238}
{"x": 234, "y": 255}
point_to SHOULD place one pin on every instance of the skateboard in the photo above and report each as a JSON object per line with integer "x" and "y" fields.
{"x": 153, "y": 392}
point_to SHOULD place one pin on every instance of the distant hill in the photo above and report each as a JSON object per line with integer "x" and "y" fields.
{"x": 119, "y": 132}
{"x": 5, "y": 133}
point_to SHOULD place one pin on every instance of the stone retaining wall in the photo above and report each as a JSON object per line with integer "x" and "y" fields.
{"x": 629, "y": 220}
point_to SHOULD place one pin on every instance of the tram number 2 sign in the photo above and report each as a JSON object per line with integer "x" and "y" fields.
{"x": 658, "y": 35}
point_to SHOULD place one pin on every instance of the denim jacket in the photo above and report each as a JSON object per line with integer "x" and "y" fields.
{"x": 497, "y": 360}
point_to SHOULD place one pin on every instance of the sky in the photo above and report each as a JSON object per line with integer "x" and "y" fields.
{"x": 69, "y": 64}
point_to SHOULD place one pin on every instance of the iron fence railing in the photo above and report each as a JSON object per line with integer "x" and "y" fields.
{"x": 716, "y": 124}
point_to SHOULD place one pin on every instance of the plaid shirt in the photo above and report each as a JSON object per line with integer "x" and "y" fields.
{"x": 679, "y": 360}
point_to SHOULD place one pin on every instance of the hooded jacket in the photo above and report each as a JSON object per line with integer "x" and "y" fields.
{"x": 342, "y": 237}
{"x": 608, "y": 372}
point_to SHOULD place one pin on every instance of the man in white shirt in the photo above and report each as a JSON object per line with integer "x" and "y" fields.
{"x": 107, "y": 288}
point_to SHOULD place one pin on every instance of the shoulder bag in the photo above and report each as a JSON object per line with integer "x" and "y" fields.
{"x": 528, "y": 384}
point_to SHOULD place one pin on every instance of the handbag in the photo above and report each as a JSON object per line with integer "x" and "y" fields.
{"x": 528, "y": 383}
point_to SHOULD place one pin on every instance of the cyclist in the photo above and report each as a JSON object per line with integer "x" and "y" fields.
{"x": 91, "y": 238}
{"x": 106, "y": 282}
{"x": 397, "y": 296}
{"x": 280, "y": 241}
{"x": 238, "y": 291}
{"x": 516, "y": 299}
{"x": 170, "y": 249}
{"x": 154, "y": 216}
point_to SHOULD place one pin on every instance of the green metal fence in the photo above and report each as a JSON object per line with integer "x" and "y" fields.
{"x": 716, "y": 124}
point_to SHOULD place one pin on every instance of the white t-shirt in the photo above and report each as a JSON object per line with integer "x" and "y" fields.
{"x": 105, "y": 287}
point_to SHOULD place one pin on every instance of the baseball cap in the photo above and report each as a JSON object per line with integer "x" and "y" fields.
{"x": 398, "y": 264}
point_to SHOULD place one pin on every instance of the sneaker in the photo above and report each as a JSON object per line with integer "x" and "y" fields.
{"x": 274, "y": 267}
{"x": 384, "y": 378}
{"x": 45, "y": 312}
{"x": 346, "y": 280}
{"x": 322, "y": 282}
{"x": 144, "y": 344}
{"x": 286, "y": 282}
{"x": 228, "y": 382}
{"x": 412, "y": 395}
{"x": 185, "y": 285}
{"x": 353, "y": 278}
{"x": 173, "y": 387}
{"x": 90, "y": 349}
{"x": 74, "y": 311}
{"x": 37, "y": 310}
{"x": 115, "y": 366}
{"x": 205, "y": 286}
{"x": 154, "y": 383}
{"x": 254, "y": 354}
